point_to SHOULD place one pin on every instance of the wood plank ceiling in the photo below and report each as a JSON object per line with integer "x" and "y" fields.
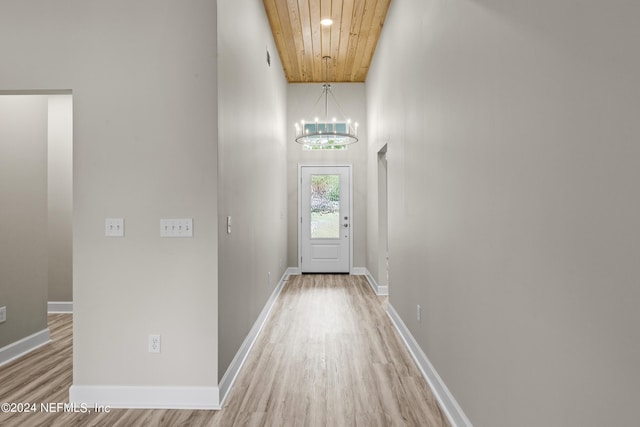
{"x": 302, "y": 41}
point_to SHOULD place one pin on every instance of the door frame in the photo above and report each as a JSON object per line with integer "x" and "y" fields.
{"x": 349, "y": 166}
{"x": 383, "y": 220}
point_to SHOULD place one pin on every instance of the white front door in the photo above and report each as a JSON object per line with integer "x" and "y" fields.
{"x": 325, "y": 219}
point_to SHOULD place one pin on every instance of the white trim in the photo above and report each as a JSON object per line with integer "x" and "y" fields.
{"x": 351, "y": 213}
{"x": 447, "y": 402}
{"x": 379, "y": 290}
{"x": 291, "y": 271}
{"x": 358, "y": 271}
{"x": 294, "y": 271}
{"x": 145, "y": 397}
{"x": 238, "y": 361}
{"x": 60, "y": 307}
{"x": 26, "y": 345}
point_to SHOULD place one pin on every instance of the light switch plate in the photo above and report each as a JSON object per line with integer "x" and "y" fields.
{"x": 114, "y": 227}
{"x": 154, "y": 343}
{"x": 176, "y": 227}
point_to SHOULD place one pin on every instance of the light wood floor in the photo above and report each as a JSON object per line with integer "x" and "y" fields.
{"x": 328, "y": 356}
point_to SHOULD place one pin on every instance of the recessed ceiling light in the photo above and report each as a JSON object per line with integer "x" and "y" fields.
{"x": 326, "y": 22}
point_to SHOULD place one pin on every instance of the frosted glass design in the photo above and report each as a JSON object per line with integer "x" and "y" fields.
{"x": 325, "y": 206}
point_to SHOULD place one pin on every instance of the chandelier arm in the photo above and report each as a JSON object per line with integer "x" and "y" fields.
{"x": 326, "y": 88}
{"x": 315, "y": 104}
{"x": 326, "y": 102}
{"x": 335, "y": 101}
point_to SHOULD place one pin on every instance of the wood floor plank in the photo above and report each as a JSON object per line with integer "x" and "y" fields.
{"x": 327, "y": 356}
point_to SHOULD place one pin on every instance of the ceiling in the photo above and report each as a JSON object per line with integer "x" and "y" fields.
{"x": 302, "y": 42}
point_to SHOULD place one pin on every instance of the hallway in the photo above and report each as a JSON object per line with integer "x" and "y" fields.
{"x": 327, "y": 356}
{"x": 330, "y": 356}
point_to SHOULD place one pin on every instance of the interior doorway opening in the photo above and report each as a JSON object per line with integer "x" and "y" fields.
{"x": 40, "y": 132}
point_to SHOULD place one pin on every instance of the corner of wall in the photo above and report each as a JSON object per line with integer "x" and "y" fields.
{"x": 60, "y": 307}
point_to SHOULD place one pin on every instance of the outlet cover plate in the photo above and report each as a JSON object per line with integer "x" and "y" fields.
{"x": 3, "y": 314}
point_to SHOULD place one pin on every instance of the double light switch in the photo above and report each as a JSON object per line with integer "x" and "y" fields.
{"x": 114, "y": 227}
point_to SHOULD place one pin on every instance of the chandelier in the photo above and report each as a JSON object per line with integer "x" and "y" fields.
{"x": 327, "y": 132}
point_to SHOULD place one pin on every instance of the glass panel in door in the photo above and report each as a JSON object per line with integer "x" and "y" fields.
{"x": 325, "y": 207}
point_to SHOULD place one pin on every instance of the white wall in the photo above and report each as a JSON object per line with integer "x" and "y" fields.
{"x": 143, "y": 76}
{"x": 514, "y": 219}
{"x": 60, "y": 196}
{"x": 252, "y": 164}
{"x": 23, "y": 216}
{"x": 302, "y": 105}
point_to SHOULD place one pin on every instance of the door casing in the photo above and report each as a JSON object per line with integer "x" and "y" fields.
{"x": 300, "y": 201}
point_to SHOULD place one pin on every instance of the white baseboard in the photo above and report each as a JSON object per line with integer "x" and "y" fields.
{"x": 146, "y": 397}
{"x": 358, "y": 271}
{"x": 238, "y": 361}
{"x": 364, "y": 271}
{"x": 447, "y": 402}
{"x": 11, "y": 352}
{"x": 379, "y": 290}
{"x": 60, "y": 307}
{"x": 294, "y": 271}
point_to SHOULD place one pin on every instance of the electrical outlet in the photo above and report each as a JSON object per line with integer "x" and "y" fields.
{"x": 3, "y": 314}
{"x": 154, "y": 343}
{"x": 418, "y": 313}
